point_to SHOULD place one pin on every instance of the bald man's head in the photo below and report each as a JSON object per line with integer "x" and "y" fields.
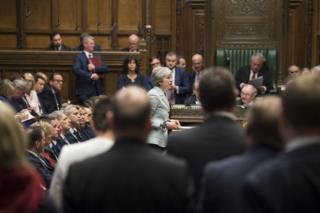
{"x": 132, "y": 109}
{"x": 133, "y": 43}
{"x": 197, "y": 62}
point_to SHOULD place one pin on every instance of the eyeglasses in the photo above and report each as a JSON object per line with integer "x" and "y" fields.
{"x": 58, "y": 80}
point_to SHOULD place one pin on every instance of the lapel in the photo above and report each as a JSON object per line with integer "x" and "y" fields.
{"x": 163, "y": 98}
{"x": 248, "y": 74}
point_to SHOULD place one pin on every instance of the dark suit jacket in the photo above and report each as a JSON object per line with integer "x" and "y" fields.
{"x": 85, "y": 87}
{"x": 181, "y": 80}
{"x": 18, "y": 104}
{"x": 223, "y": 179}
{"x": 124, "y": 81}
{"x": 44, "y": 169}
{"x": 243, "y": 75}
{"x": 48, "y": 101}
{"x": 216, "y": 138}
{"x": 63, "y": 48}
{"x": 131, "y": 177}
{"x": 289, "y": 183}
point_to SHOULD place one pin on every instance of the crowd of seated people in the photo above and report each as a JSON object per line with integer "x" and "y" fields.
{"x": 101, "y": 156}
{"x": 118, "y": 154}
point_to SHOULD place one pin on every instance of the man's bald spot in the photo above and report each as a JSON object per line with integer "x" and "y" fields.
{"x": 197, "y": 57}
{"x": 131, "y": 99}
{"x": 133, "y": 38}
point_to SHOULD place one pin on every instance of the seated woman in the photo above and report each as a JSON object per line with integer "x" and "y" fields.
{"x": 21, "y": 187}
{"x": 6, "y": 90}
{"x": 160, "y": 108}
{"x": 130, "y": 74}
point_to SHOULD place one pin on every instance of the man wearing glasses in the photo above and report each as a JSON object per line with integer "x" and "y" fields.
{"x": 50, "y": 97}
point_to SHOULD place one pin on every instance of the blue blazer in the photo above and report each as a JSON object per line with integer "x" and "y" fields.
{"x": 181, "y": 80}
{"x": 85, "y": 87}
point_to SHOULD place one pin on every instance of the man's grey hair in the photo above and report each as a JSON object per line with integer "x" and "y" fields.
{"x": 316, "y": 69}
{"x": 87, "y": 37}
{"x": 68, "y": 109}
{"x": 20, "y": 84}
{"x": 56, "y": 114}
{"x": 258, "y": 56}
{"x": 160, "y": 73}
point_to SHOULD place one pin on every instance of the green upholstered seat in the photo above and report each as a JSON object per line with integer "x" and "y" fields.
{"x": 234, "y": 58}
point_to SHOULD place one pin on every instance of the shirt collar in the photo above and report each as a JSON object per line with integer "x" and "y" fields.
{"x": 87, "y": 53}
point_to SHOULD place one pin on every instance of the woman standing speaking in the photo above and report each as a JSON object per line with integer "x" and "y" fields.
{"x": 160, "y": 108}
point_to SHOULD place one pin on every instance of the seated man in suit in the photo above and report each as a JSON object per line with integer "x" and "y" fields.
{"x": 131, "y": 176}
{"x": 223, "y": 179}
{"x": 247, "y": 95}
{"x": 70, "y": 154}
{"x": 72, "y": 112}
{"x": 18, "y": 101}
{"x": 88, "y": 68}
{"x": 291, "y": 182}
{"x": 133, "y": 41}
{"x": 57, "y": 43}
{"x": 293, "y": 72}
{"x": 218, "y": 136}
{"x": 253, "y": 71}
{"x": 50, "y": 96}
{"x": 35, "y": 148}
{"x": 180, "y": 82}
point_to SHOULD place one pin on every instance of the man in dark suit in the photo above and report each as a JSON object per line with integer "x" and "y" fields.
{"x": 35, "y": 148}
{"x": 131, "y": 176}
{"x": 197, "y": 67}
{"x": 291, "y": 182}
{"x": 57, "y": 43}
{"x": 223, "y": 179}
{"x": 218, "y": 136}
{"x": 256, "y": 69}
{"x": 50, "y": 96}
{"x": 180, "y": 81}
{"x": 88, "y": 68}
{"x": 133, "y": 42}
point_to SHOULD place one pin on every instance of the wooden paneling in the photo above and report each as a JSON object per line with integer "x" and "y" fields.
{"x": 162, "y": 17}
{"x": 8, "y": 41}
{"x": 129, "y": 15}
{"x": 38, "y": 42}
{"x": 8, "y": 19}
{"x": 190, "y": 29}
{"x": 110, "y": 21}
{"x": 245, "y": 24}
{"x": 67, "y": 15}
{"x": 299, "y": 33}
{"x": 37, "y": 15}
{"x": 99, "y": 15}
{"x": 316, "y": 34}
{"x": 62, "y": 62}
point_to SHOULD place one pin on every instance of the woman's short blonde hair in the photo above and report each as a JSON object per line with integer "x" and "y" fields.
{"x": 160, "y": 73}
{"x": 6, "y": 88}
{"x": 12, "y": 141}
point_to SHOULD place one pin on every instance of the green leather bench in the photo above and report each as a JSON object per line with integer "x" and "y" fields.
{"x": 234, "y": 58}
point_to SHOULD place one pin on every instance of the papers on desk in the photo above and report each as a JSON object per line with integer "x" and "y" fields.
{"x": 186, "y": 127}
{"x": 256, "y": 82}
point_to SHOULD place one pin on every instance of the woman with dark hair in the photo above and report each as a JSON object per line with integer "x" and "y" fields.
{"x": 131, "y": 74}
